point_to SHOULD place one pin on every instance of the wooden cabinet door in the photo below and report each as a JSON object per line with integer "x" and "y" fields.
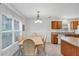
{"x": 56, "y": 24}
{"x": 77, "y": 51}
{"x": 59, "y": 25}
{"x": 67, "y": 49}
{"x": 54, "y": 39}
{"x": 74, "y": 24}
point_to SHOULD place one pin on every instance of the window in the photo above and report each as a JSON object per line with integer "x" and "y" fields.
{"x": 6, "y": 23}
{"x": 10, "y": 31}
{"x": 65, "y": 25}
{"x": 16, "y": 25}
{"x": 17, "y": 34}
{"x": 16, "y": 30}
{"x": 6, "y": 31}
{"x": 6, "y": 39}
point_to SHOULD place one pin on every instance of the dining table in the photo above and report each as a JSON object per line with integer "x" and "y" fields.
{"x": 37, "y": 40}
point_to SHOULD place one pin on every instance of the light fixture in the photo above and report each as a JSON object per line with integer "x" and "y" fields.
{"x": 38, "y": 20}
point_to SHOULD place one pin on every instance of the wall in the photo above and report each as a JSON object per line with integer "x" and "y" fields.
{"x": 14, "y": 47}
{"x": 43, "y": 28}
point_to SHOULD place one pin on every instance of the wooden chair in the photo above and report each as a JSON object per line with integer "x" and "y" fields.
{"x": 41, "y": 48}
{"x": 28, "y": 48}
{"x": 20, "y": 40}
{"x": 44, "y": 40}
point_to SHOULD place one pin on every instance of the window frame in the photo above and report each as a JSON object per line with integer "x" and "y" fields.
{"x": 20, "y": 29}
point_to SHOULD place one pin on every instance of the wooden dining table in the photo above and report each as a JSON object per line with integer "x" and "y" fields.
{"x": 37, "y": 40}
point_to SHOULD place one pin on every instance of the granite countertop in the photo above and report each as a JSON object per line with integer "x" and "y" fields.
{"x": 72, "y": 40}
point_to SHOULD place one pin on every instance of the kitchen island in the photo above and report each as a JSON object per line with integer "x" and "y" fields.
{"x": 69, "y": 46}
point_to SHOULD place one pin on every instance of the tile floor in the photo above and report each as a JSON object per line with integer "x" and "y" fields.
{"x": 51, "y": 50}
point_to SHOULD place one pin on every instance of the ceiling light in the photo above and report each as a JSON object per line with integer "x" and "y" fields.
{"x": 38, "y": 20}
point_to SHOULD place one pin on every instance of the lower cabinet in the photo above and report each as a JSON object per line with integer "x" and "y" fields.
{"x": 77, "y": 51}
{"x": 54, "y": 39}
{"x": 68, "y": 49}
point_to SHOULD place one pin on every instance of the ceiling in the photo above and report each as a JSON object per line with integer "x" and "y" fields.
{"x": 47, "y": 9}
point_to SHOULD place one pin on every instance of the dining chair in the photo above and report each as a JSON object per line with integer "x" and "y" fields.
{"x": 41, "y": 47}
{"x": 45, "y": 38}
{"x": 44, "y": 41}
{"x": 28, "y": 48}
{"x": 34, "y": 34}
{"x": 20, "y": 39}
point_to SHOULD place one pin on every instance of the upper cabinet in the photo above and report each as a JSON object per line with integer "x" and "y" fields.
{"x": 74, "y": 24}
{"x": 56, "y": 24}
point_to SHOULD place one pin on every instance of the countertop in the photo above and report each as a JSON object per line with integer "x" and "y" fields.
{"x": 72, "y": 40}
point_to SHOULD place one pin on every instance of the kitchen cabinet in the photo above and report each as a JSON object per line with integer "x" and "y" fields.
{"x": 56, "y": 24}
{"x": 68, "y": 49}
{"x": 74, "y": 24}
{"x": 77, "y": 51}
{"x": 54, "y": 39}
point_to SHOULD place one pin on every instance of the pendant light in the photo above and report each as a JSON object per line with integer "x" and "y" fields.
{"x": 38, "y": 20}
